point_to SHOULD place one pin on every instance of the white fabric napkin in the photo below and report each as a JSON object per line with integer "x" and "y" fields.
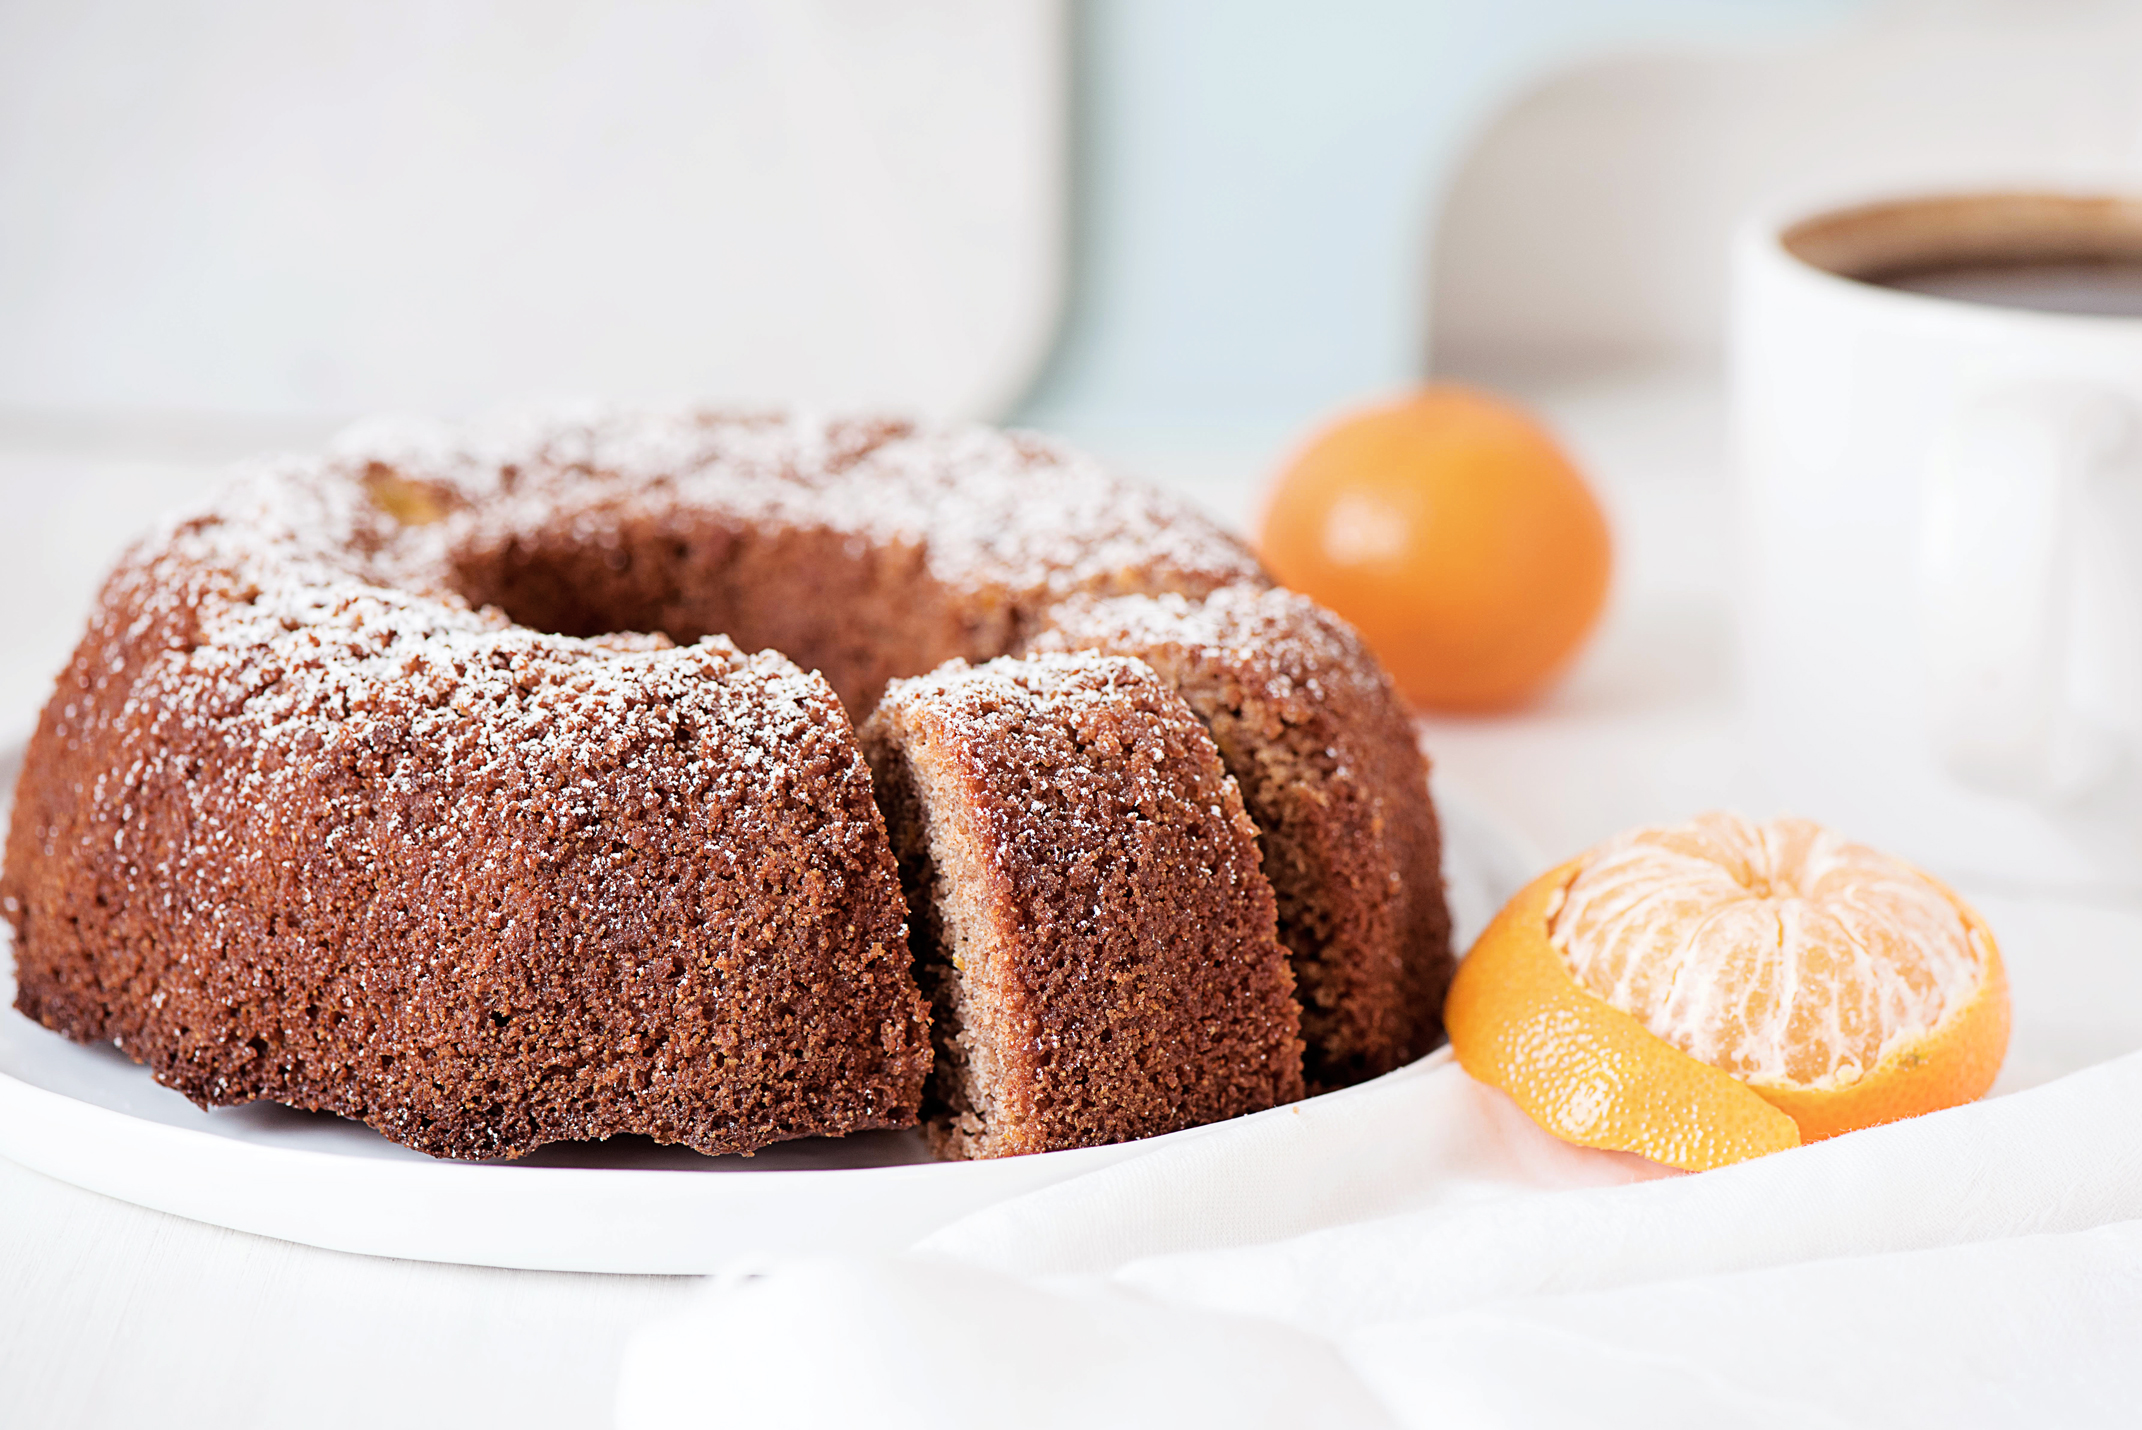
{"x": 1414, "y": 1252}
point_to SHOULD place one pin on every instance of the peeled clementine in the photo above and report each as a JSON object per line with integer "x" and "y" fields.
{"x": 1453, "y": 533}
{"x": 1724, "y": 989}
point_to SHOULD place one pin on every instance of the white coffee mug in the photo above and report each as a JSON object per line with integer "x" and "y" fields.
{"x": 1942, "y": 504}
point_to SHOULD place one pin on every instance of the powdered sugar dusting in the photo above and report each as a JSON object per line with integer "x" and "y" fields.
{"x": 300, "y": 603}
{"x": 298, "y": 609}
{"x": 1290, "y": 649}
{"x": 1018, "y": 712}
{"x": 986, "y": 508}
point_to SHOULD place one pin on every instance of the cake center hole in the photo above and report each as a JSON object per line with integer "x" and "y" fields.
{"x": 860, "y": 614}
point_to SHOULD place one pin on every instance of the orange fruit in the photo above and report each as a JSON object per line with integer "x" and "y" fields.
{"x": 1724, "y": 989}
{"x": 1453, "y": 533}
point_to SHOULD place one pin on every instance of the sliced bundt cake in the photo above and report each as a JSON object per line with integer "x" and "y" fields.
{"x": 361, "y": 794}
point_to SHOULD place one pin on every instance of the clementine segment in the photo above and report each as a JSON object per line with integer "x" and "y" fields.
{"x": 1455, "y": 535}
{"x": 1725, "y": 988}
{"x": 1953, "y": 1065}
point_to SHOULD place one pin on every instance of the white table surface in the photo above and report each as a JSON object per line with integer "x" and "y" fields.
{"x": 111, "y": 1315}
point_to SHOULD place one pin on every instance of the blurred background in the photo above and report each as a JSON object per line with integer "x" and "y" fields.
{"x": 1180, "y": 232}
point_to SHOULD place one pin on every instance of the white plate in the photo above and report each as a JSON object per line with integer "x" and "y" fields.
{"x": 93, "y": 1117}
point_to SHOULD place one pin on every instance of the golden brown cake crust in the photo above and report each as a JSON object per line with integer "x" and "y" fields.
{"x": 1091, "y": 920}
{"x": 1324, "y": 751}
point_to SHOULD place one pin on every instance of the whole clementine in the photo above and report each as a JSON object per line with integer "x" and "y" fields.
{"x": 1455, "y": 535}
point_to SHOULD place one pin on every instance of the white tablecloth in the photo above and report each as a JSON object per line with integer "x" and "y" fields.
{"x": 1415, "y": 1253}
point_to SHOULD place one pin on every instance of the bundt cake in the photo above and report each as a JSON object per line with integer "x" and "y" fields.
{"x": 360, "y": 794}
{"x": 1088, "y": 919}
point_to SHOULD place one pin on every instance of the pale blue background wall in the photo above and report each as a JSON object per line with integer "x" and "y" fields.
{"x": 1256, "y": 181}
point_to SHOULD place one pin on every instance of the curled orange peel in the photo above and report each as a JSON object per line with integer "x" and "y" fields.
{"x": 1591, "y": 1074}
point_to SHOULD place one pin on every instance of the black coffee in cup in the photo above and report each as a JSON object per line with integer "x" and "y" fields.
{"x": 2110, "y": 287}
{"x": 2054, "y": 253}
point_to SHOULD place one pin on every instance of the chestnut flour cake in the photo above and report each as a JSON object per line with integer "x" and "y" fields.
{"x": 433, "y": 783}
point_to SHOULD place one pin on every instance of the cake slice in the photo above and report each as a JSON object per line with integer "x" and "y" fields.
{"x": 1325, "y": 755}
{"x": 1087, "y": 913}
